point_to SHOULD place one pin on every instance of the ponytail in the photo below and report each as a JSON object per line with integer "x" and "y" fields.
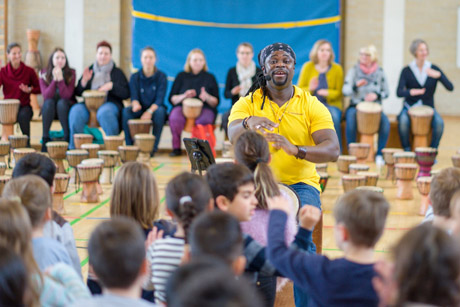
{"x": 266, "y": 185}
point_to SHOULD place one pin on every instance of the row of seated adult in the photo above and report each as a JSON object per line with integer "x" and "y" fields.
{"x": 322, "y": 77}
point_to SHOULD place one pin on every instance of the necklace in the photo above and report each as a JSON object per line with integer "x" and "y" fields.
{"x": 284, "y": 112}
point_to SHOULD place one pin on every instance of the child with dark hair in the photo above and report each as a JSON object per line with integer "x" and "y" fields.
{"x": 205, "y": 282}
{"x": 218, "y": 234}
{"x": 187, "y": 195}
{"x": 426, "y": 270}
{"x": 13, "y": 278}
{"x": 360, "y": 219}
{"x": 117, "y": 254}
{"x": 58, "y": 228}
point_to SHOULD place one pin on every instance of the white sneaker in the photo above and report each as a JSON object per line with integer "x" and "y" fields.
{"x": 379, "y": 161}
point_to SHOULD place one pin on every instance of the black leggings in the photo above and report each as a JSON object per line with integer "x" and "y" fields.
{"x": 24, "y": 117}
{"x": 51, "y": 108}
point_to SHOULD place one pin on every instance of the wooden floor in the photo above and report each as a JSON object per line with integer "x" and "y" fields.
{"x": 403, "y": 215}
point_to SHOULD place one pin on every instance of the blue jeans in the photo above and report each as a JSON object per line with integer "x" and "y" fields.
{"x": 336, "y": 115}
{"x": 437, "y": 127}
{"x": 308, "y": 196}
{"x": 107, "y": 115}
{"x": 158, "y": 119}
{"x": 351, "y": 128}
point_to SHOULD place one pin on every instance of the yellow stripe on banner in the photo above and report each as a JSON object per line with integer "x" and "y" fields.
{"x": 275, "y": 25}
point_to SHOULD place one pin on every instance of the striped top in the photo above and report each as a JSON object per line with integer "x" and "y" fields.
{"x": 164, "y": 256}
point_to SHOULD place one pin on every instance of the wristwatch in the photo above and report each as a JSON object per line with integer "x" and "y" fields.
{"x": 245, "y": 122}
{"x": 150, "y": 111}
{"x": 301, "y": 153}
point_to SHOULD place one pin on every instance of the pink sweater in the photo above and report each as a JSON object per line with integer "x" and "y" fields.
{"x": 65, "y": 90}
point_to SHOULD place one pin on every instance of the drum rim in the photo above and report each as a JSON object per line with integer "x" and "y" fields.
{"x": 295, "y": 193}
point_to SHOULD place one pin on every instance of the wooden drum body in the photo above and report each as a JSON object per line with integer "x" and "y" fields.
{"x": 3, "y": 181}
{"x": 420, "y": 123}
{"x": 405, "y": 174}
{"x": 456, "y": 160}
{"x": 191, "y": 108}
{"x": 145, "y": 143}
{"x": 89, "y": 176}
{"x": 368, "y": 115}
{"x": 321, "y": 167}
{"x": 370, "y": 188}
{"x": 81, "y": 138}
{"x": 360, "y": 151}
{"x": 355, "y": 168}
{"x": 57, "y": 152}
{"x": 18, "y": 141}
{"x": 404, "y": 157}
{"x": 423, "y": 186}
{"x": 344, "y": 162}
{"x": 351, "y": 182}
{"x": 425, "y": 157}
{"x": 92, "y": 149}
{"x": 110, "y": 158}
{"x": 389, "y": 161}
{"x": 61, "y": 183}
{"x": 93, "y": 101}
{"x": 137, "y": 126}
{"x": 113, "y": 141}
{"x": 8, "y": 116}
{"x": 18, "y": 153}
{"x": 128, "y": 153}
{"x": 74, "y": 157}
{"x": 99, "y": 162}
{"x": 371, "y": 178}
{"x": 4, "y": 151}
{"x": 2, "y": 169}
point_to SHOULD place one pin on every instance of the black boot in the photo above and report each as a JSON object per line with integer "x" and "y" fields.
{"x": 44, "y": 141}
{"x": 176, "y": 152}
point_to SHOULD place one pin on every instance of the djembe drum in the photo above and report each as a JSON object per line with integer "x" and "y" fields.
{"x": 57, "y": 152}
{"x": 224, "y": 160}
{"x": 405, "y": 173}
{"x": 191, "y": 108}
{"x": 93, "y": 101}
{"x": 425, "y": 157}
{"x": 8, "y": 116}
{"x": 359, "y": 150}
{"x": 137, "y": 126}
{"x": 145, "y": 142}
{"x": 420, "y": 123}
{"x": 456, "y": 160}
{"x": 423, "y": 186}
{"x": 61, "y": 183}
{"x": 113, "y": 141}
{"x": 128, "y": 153}
{"x": 355, "y": 168}
{"x": 4, "y": 151}
{"x": 344, "y": 162}
{"x": 323, "y": 178}
{"x": 82, "y": 138}
{"x": 89, "y": 176}
{"x": 100, "y": 162}
{"x": 110, "y": 158}
{"x": 404, "y": 157}
{"x": 92, "y": 149}
{"x": 389, "y": 161}
{"x": 368, "y": 115}
{"x": 74, "y": 157}
{"x": 350, "y": 182}
{"x": 227, "y": 150}
{"x": 370, "y": 188}
{"x": 3, "y": 181}
{"x": 18, "y": 153}
{"x": 292, "y": 196}
{"x": 371, "y": 178}
{"x": 18, "y": 141}
{"x": 321, "y": 167}
{"x": 2, "y": 168}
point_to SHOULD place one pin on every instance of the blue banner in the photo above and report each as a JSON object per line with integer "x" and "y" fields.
{"x": 174, "y": 27}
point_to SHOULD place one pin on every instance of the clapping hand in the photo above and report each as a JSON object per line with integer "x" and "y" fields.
{"x": 435, "y": 74}
{"x": 309, "y": 216}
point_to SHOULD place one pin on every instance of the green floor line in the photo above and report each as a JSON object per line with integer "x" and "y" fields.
{"x": 162, "y": 199}
{"x": 158, "y": 167}
{"x": 84, "y": 261}
{"x": 72, "y": 194}
{"x": 89, "y": 212}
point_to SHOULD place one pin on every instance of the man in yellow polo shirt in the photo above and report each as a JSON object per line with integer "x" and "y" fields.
{"x": 298, "y": 127}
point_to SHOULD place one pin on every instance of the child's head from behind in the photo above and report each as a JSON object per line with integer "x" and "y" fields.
{"x": 427, "y": 267}
{"x": 233, "y": 189}
{"x": 135, "y": 194}
{"x": 13, "y": 278}
{"x": 187, "y": 195}
{"x": 251, "y": 150}
{"x": 206, "y": 283}
{"x": 360, "y": 218}
{"x": 35, "y": 164}
{"x": 455, "y": 211}
{"x": 117, "y": 253}
{"x": 218, "y": 234}
{"x": 34, "y": 194}
{"x": 443, "y": 186}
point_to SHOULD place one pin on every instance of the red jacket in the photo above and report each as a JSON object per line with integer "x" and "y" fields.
{"x": 11, "y": 79}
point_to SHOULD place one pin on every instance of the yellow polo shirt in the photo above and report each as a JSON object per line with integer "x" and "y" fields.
{"x": 303, "y": 115}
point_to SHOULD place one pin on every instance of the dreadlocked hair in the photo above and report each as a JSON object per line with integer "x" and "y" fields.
{"x": 251, "y": 150}
{"x": 261, "y": 83}
{"x": 187, "y": 195}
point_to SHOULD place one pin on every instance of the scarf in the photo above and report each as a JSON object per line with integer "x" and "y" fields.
{"x": 101, "y": 74}
{"x": 15, "y": 74}
{"x": 421, "y": 76}
{"x": 245, "y": 75}
{"x": 368, "y": 69}
{"x": 370, "y": 77}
